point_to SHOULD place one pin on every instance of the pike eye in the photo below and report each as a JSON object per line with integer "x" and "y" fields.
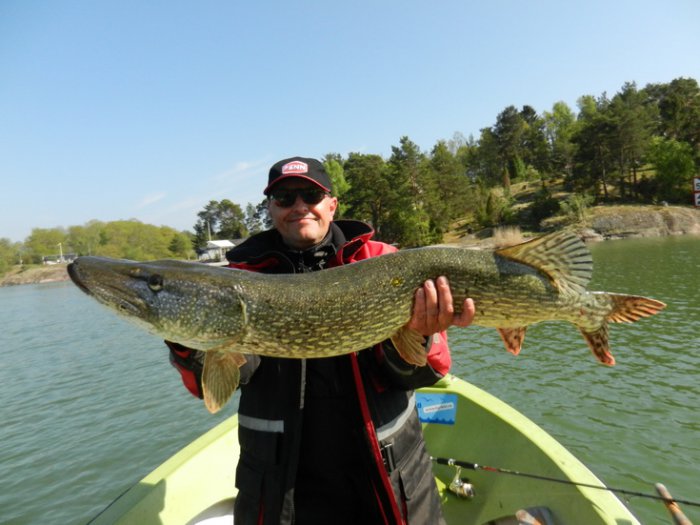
{"x": 155, "y": 282}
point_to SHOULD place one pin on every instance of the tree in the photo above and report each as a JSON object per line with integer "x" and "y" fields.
{"x": 408, "y": 222}
{"x": 9, "y": 254}
{"x": 370, "y": 194}
{"x": 535, "y": 150}
{"x": 508, "y": 133}
{"x": 679, "y": 111}
{"x": 219, "y": 220}
{"x": 675, "y": 168}
{"x": 449, "y": 188}
{"x": 231, "y": 221}
{"x": 45, "y": 242}
{"x": 334, "y": 168}
{"x": 633, "y": 120}
{"x": 559, "y": 128}
{"x": 86, "y": 239}
{"x": 486, "y": 164}
{"x": 135, "y": 240}
{"x": 181, "y": 246}
{"x": 593, "y": 140}
{"x": 257, "y": 218}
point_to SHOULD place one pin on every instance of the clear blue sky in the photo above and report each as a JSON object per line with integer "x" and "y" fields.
{"x": 129, "y": 109}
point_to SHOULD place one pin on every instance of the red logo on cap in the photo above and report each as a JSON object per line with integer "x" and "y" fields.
{"x": 295, "y": 167}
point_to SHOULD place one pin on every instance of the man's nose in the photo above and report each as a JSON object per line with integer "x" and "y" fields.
{"x": 299, "y": 203}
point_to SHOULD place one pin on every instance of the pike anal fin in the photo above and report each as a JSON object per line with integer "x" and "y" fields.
{"x": 598, "y": 343}
{"x": 220, "y": 378}
{"x": 410, "y": 346}
{"x": 513, "y": 338}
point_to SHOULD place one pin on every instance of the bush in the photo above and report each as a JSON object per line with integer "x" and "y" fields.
{"x": 543, "y": 206}
{"x": 575, "y": 207}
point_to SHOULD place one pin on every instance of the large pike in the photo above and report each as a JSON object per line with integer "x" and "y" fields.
{"x": 227, "y": 312}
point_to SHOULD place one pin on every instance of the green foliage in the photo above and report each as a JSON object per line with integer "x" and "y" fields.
{"x": 9, "y": 254}
{"x": 219, "y": 220}
{"x": 120, "y": 239}
{"x": 45, "y": 242}
{"x": 678, "y": 103}
{"x": 575, "y": 207}
{"x": 371, "y": 195}
{"x": 543, "y": 206}
{"x": 334, "y": 168}
{"x": 675, "y": 168}
{"x": 257, "y": 218}
{"x": 493, "y": 207}
{"x": 560, "y": 125}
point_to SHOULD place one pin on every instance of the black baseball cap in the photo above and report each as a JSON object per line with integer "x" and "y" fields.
{"x": 300, "y": 168}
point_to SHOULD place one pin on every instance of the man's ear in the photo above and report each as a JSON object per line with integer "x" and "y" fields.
{"x": 333, "y": 205}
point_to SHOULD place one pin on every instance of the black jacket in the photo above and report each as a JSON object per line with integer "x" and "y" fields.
{"x": 333, "y": 435}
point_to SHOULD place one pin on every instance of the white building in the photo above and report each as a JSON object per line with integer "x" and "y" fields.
{"x": 216, "y": 251}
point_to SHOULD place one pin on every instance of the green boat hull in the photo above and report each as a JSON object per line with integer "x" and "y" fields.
{"x": 197, "y": 483}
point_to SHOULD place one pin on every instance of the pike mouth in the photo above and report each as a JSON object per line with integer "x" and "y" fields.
{"x": 73, "y": 274}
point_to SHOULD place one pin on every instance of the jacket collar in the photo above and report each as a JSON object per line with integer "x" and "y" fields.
{"x": 266, "y": 249}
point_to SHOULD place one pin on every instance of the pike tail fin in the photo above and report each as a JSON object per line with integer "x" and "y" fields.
{"x": 625, "y": 309}
{"x": 220, "y": 377}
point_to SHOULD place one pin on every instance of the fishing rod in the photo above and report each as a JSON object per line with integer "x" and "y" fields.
{"x": 475, "y": 466}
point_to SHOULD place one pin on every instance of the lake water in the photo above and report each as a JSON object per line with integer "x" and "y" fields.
{"x": 89, "y": 403}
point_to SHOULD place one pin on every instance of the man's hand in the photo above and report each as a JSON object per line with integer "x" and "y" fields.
{"x": 433, "y": 309}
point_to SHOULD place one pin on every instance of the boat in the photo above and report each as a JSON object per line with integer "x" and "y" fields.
{"x": 460, "y": 421}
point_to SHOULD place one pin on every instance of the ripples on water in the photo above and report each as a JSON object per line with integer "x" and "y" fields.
{"x": 90, "y": 403}
{"x": 633, "y": 424}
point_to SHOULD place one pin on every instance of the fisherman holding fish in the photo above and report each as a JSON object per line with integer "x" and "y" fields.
{"x": 335, "y": 439}
{"x": 327, "y": 361}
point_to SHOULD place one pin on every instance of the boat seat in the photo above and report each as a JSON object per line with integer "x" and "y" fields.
{"x": 220, "y": 513}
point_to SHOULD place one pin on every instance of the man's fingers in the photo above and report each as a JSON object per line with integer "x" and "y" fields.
{"x": 433, "y": 308}
{"x": 446, "y": 307}
{"x": 431, "y": 301}
{"x": 466, "y": 316}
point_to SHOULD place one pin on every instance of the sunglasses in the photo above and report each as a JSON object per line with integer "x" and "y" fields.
{"x": 287, "y": 198}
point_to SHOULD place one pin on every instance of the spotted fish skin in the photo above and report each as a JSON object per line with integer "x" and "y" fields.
{"x": 228, "y": 312}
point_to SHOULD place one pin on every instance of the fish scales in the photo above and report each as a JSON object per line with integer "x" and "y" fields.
{"x": 228, "y": 312}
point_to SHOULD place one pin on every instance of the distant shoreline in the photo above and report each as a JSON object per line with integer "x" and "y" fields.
{"x": 603, "y": 223}
{"x": 37, "y": 275}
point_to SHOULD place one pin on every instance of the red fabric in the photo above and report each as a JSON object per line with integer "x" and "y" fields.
{"x": 255, "y": 267}
{"x": 374, "y": 443}
{"x": 439, "y": 356}
{"x": 188, "y": 376}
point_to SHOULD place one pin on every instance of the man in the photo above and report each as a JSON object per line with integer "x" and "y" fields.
{"x": 332, "y": 440}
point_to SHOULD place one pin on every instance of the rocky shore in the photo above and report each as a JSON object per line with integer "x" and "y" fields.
{"x": 618, "y": 222}
{"x": 35, "y": 275}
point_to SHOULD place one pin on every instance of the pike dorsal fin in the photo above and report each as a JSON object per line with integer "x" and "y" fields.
{"x": 562, "y": 256}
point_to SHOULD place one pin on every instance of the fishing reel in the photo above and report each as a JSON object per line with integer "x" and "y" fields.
{"x": 461, "y": 486}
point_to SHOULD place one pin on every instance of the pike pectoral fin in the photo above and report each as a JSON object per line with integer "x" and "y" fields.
{"x": 598, "y": 343}
{"x": 410, "y": 345}
{"x": 220, "y": 378}
{"x": 513, "y": 338}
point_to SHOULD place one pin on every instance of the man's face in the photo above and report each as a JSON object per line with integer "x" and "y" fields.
{"x": 301, "y": 225}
